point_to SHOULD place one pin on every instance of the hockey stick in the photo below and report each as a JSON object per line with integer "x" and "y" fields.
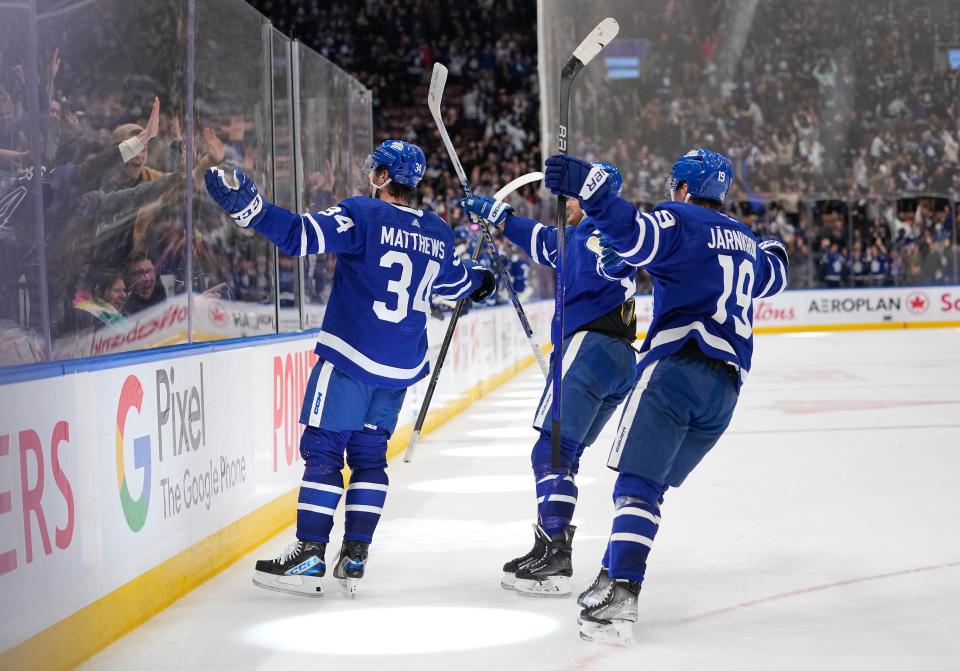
{"x": 598, "y": 38}
{"x": 437, "y": 83}
{"x": 502, "y": 194}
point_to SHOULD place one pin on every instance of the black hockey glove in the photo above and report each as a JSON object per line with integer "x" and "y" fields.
{"x": 487, "y": 286}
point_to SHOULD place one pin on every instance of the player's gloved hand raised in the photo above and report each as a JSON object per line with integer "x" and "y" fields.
{"x": 609, "y": 263}
{"x": 573, "y": 177}
{"x": 774, "y": 246}
{"x": 487, "y": 286}
{"x": 235, "y": 193}
{"x": 493, "y": 210}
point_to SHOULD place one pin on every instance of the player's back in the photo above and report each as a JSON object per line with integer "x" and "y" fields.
{"x": 375, "y": 322}
{"x": 706, "y": 275}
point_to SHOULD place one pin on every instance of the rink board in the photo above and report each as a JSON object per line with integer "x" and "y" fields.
{"x": 845, "y": 309}
{"x": 123, "y": 488}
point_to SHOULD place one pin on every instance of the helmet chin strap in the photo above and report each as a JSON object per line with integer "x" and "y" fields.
{"x": 373, "y": 193}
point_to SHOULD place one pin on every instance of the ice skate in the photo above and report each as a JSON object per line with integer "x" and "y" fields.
{"x": 596, "y": 592}
{"x": 548, "y": 575}
{"x": 611, "y": 621}
{"x": 349, "y": 567}
{"x": 510, "y": 569}
{"x": 297, "y": 570}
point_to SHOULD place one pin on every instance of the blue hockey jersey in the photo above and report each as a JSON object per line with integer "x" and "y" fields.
{"x": 707, "y": 268}
{"x": 588, "y": 293}
{"x": 390, "y": 260}
{"x": 519, "y": 269}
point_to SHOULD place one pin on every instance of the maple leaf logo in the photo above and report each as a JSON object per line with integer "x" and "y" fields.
{"x": 917, "y": 302}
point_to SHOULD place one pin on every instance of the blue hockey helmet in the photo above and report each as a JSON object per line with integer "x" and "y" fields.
{"x": 404, "y": 161}
{"x": 616, "y": 179}
{"x": 707, "y": 175}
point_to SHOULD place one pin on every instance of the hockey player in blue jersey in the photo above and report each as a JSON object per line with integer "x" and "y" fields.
{"x": 599, "y": 366}
{"x": 373, "y": 345}
{"x": 707, "y": 269}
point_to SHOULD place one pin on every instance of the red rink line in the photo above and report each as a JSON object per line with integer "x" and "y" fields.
{"x": 807, "y": 590}
{"x": 606, "y": 651}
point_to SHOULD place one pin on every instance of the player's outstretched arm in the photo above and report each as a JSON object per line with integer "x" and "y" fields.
{"x": 464, "y": 277}
{"x": 774, "y": 267}
{"x": 639, "y": 238}
{"x": 332, "y": 231}
{"x": 537, "y": 240}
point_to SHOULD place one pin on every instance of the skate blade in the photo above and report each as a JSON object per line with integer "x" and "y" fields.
{"x": 554, "y": 587}
{"x": 617, "y": 632}
{"x": 508, "y": 581}
{"x": 308, "y": 586}
{"x": 348, "y": 587}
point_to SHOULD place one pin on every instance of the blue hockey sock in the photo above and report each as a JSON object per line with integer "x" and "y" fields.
{"x": 319, "y": 496}
{"x": 635, "y": 525}
{"x": 556, "y": 501}
{"x": 365, "y": 498}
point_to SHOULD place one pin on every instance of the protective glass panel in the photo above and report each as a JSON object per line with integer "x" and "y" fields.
{"x": 809, "y": 123}
{"x": 233, "y": 268}
{"x": 921, "y": 240}
{"x": 114, "y": 202}
{"x": 325, "y": 154}
{"x": 21, "y": 294}
{"x": 285, "y": 187}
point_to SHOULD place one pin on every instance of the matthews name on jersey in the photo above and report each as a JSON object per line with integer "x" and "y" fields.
{"x": 390, "y": 259}
{"x": 733, "y": 267}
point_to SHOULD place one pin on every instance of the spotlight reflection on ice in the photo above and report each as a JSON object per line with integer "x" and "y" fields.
{"x": 532, "y": 394}
{"x": 515, "y": 431}
{"x": 484, "y": 484}
{"x": 399, "y": 631}
{"x": 490, "y": 450}
{"x": 808, "y": 334}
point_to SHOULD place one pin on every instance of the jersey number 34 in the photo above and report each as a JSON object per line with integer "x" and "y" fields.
{"x": 742, "y": 281}
{"x": 401, "y": 287}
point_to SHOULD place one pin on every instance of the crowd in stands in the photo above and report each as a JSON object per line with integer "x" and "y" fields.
{"x": 491, "y": 105}
{"x": 821, "y": 130}
{"x": 846, "y": 148}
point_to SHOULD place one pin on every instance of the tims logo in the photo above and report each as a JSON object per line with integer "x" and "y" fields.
{"x": 134, "y": 510}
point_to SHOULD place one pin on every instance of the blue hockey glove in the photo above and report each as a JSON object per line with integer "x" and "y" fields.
{"x": 609, "y": 263}
{"x": 235, "y": 193}
{"x": 485, "y": 207}
{"x": 573, "y": 177}
{"x": 487, "y": 286}
{"x": 774, "y": 246}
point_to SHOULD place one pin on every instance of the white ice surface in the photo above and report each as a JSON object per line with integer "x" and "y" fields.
{"x": 822, "y": 532}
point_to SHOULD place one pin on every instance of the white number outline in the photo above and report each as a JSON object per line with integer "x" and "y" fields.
{"x": 401, "y": 287}
{"x": 344, "y": 223}
{"x": 744, "y": 295}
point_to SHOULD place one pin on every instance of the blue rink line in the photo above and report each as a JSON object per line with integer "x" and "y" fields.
{"x": 41, "y": 371}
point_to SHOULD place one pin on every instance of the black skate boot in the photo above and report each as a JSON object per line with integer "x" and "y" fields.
{"x": 611, "y": 621}
{"x": 596, "y": 592}
{"x": 349, "y": 567}
{"x": 549, "y": 574}
{"x": 540, "y": 540}
{"x": 297, "y": 570}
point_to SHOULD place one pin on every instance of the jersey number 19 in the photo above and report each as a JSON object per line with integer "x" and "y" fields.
{"x": 743, "y": 282}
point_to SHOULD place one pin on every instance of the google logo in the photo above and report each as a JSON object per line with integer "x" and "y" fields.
{"x": 134, "y": 510}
